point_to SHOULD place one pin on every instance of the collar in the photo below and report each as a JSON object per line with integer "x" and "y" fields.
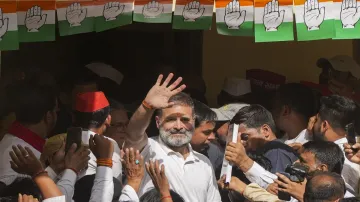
{"x": 18, "y": 130}
{"x": 341, "y": 141}
{"x": 168, "y": 151}
{"x": 85, "y": 136}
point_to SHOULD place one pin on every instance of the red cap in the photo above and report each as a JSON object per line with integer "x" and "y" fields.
{"x": 262, "y": 80}
{"x": 91, "y": 101}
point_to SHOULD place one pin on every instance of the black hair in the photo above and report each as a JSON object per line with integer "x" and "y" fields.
{"x": 89, "y": 120}
{"x": 254, "y": 116}
{"x": 351, "y": 199}
{"x": 22, "y": 185}
{"x": 181, "y": 99}
{"x": 203, "y": 113}
{"x": 337, "y": 110}
{"x": 327, "y": 153}
{"x": 31, "y": 102}
{"x": 83, "y": 187}
{"x": 154, "y": 196}
{"x": 299, "y": 98}
{"x": 324, "y": 190}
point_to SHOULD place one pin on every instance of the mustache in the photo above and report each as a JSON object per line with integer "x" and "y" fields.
{"x": 178, "y": 131}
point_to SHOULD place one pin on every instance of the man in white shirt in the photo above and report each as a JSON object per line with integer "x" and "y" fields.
{"x": 92, "y": 114}
{"x": 35, "y": 110}
{"x": 190, "y": 173}
{"x": 335, "y": 113}
{"x": 293, "y": 106}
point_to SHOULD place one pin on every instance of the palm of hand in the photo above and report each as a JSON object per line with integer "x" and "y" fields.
{"x": 271, "y": 19}
{"x": 310, "y": 15}
{"x": 158, "y": 97}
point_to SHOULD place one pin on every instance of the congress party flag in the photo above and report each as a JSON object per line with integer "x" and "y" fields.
{"x": 153, "y": 11}
{"x": 314, "y": 19}
{"x": 110, "y": 14}
{"x": 347, "y": 15}
{"x": 8, "y": 26}
{"x": 235, "y": 17}
{"x": 75, "y": 17}
{"x": 36, "y": 20}
{"x": 193, "y": 14}
{"x": 274, "y": 20}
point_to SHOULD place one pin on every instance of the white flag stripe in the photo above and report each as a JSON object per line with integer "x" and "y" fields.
{"x": 208, "y": 10}
{"x": 329, "y": 11}
{"x": 99, "y": 10}
{"x": 288, "y": 16}
{"x": 50, "y": 16}
{"x": 220, "y": 13}
{"x": 139, "y": 8}
{"x": 12, "y": 26}
{"x": 61, "y": 12}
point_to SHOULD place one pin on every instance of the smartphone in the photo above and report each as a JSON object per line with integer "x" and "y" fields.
{"x": 283, "y": 195}
{"x": 73, "y": 136}
{"x": 351, "y": 134}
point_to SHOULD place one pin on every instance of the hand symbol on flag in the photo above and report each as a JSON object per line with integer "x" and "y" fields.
{"x": 272, "y": 16}
{"x": 112, "y": 10}
{"x": 313, "y": 15}
{"x": 193, "y": 11}
{"x": 4, "y": 22}
{"x": 153, "y": 9}
{"x": 233, "y": 16}
{"x": 75, "y": 14}
{"x": 34, "y": 19}
{"x": 350, "y": 13}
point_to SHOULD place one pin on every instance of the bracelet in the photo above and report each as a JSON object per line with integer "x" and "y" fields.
{"x": 43, "y": 172}
{"x": 75, "y": 171}
{"x": 104, "y": 162}
{"x": 146, "y": 105}
{"x": 164, "y": 197}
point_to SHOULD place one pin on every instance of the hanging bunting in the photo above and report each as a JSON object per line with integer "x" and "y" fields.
{"x": 110, "y": 14}
{"x": 36, "y": 20}
{"x": 75, "y": 17}
{"x": 314, "y": 19}
{"x": 274, "y": 20}
{"x": 8, "y": 26}
{"x": 235, "y": 17}
{"x": 347, "y": 15}
{"x": 153, "y": 11}
{"x": 193, "y": 15}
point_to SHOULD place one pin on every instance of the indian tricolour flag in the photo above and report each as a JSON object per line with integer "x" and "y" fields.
{"x": 8, "y": 26}
{"x": 314, "y": 19}
{"x": 346, "y": 20}
{"x": 36, "y": 20}
{"x": 274, "y": 20}
{"x": 153, "y": 11}
{"x": 235, "y": 17}
{"x": 190, "y": 14}
{"x": 75, "y": 17}
{"x": 110, "y": 14}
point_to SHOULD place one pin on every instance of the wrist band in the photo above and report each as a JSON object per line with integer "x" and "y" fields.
{"x": 104, "y": 162}
{"x": 75, "y": 171}
{"x": 43, "y": 172}
{"x": 164, "y": 197}
{"x": 146, "y": 105}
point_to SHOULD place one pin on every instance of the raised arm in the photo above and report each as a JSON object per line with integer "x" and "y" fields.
{"x": 157, "y": 98}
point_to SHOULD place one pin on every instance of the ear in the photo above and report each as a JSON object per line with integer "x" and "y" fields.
{"x": 108, "y": 120}
{"x": 157, "y": 119}
{"x": 265, "y": 130}
{"x": 325, "y": 125}
{"x": 323, "y": 167}
{"x": 286, "y": 110}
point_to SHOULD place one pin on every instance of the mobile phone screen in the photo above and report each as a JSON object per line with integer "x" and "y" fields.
{"x": 350, "y": 133}
{"x": 73, "y": 136}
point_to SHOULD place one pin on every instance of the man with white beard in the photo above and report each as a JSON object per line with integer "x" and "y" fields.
{"x": 189, "y": 173}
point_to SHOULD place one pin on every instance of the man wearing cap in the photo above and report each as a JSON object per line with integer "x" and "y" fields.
{"x": 189, "y": 173}
{"x": 92, "y": 114}
{"x": 341, "y": 73}
{"x": 224, "y": 115}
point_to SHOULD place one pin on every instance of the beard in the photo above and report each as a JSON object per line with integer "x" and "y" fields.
{"x": 176, "y": 138}
{"x": 318, "y": 136}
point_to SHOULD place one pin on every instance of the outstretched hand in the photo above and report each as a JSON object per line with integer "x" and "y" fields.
{"x": 159, "y": 95}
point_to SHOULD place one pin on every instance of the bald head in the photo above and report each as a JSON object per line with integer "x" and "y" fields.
{"x": 324, "y": 187}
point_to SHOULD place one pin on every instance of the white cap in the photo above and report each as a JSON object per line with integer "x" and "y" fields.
{"x": 236, "y": 87}
{"x": 227, "y": 112}
{"x": 106, "y": 71}
{"x": 343, "y": 63}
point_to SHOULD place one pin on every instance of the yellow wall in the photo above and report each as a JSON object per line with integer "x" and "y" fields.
{"x": 231, "y": 56}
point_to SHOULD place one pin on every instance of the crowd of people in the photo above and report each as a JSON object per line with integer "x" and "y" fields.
{"x": 296, "y": 148}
